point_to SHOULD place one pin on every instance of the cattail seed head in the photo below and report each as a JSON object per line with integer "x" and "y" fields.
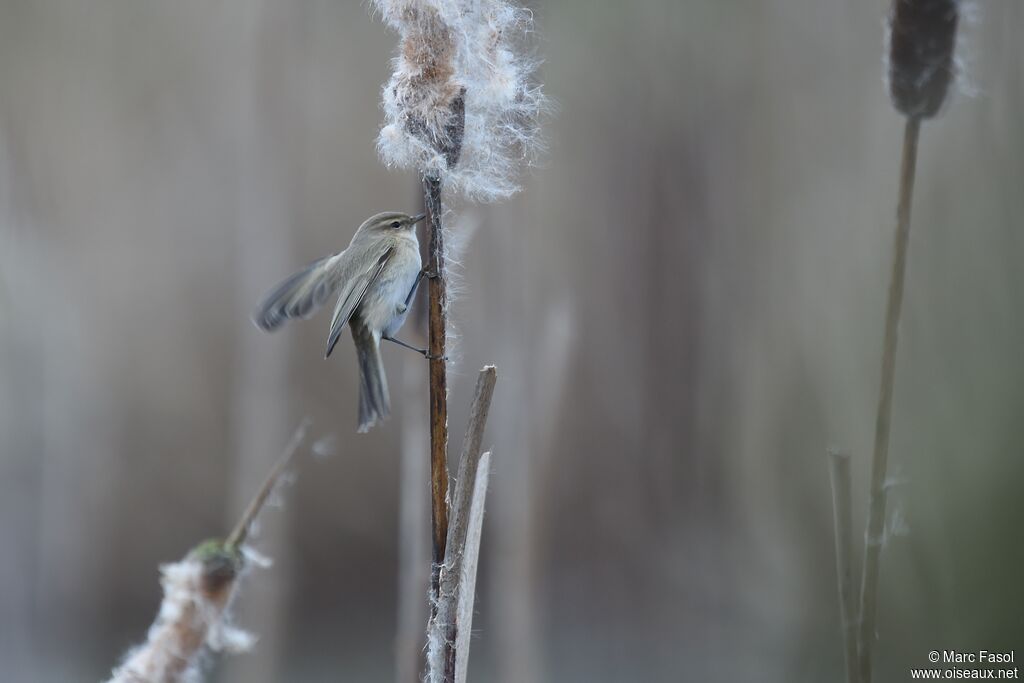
{"x": 221, "y": 566}
{"x": 461, "y": 104}
{"x": 192, "y": 619}
{"x": 923, "y": 33}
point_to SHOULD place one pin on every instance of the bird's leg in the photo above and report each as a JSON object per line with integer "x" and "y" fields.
{"x": 402, "y": 308}
{"x": 415, "y": 285}
{"x": 422, "y": 352}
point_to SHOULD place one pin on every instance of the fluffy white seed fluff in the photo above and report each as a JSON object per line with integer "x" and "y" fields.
{"x": 191, "y": 621}
{"x": 456, "y": 54}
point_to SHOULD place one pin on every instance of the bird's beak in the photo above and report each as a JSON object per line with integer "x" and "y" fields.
{"x": 417, "y": 218}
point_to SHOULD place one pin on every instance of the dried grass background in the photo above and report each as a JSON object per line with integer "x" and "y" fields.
{"x": 684, "y": 304}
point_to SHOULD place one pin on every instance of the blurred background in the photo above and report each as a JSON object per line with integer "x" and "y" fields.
{"x": 684, "y": 304}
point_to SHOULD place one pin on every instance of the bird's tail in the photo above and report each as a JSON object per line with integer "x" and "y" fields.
{"x": 374, "y": 402}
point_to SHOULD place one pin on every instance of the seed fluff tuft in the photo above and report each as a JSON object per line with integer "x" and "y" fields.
{"x": 461, "y": 103}
{"x": 193, "y": 619}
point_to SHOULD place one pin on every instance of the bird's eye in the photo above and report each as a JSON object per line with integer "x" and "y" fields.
{"x": 396, "y": 224}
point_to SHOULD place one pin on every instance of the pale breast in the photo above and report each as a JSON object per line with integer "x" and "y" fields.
{"x": 382, "y": 307}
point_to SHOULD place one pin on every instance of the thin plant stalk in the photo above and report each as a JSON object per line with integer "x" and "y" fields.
{"x": 842, "y": 512}
{"x": 437, "y": 295}
{"x": 238, "y": 535}
{"x": 922, "y": 36}
{"x": 875, "y": 534}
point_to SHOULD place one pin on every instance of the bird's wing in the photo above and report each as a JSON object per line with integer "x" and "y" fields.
{"x": 300, "y": 295}
{"x": 352, "y": 290}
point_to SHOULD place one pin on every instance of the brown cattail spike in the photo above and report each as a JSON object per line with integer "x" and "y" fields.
{"x": 921, "y": 54}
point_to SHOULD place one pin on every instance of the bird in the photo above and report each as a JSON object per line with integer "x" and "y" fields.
{"x": 374, "y": 279}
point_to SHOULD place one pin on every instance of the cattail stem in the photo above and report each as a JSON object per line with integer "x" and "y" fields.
{"x": 237, "y": 536}
{"x": 464, "y": 487}
{"x": 839, "y": 471}
{"x": 437, "y": 324}
{"x": 874, "y": 536}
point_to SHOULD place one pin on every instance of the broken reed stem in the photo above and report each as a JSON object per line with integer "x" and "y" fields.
{"x": 470, "y": 561}
{"x": 469, "y": 459}
{"x": 237, "y": 536}
{"x": 463, "y": 500}
{"x": 842, "y": 514}
{"x": 437, "y": 311}
{"x": 443, "y": 631}
{"x": 876, "y": 511}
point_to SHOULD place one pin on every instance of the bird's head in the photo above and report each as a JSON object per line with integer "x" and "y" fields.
{"x": 391, "y": 221}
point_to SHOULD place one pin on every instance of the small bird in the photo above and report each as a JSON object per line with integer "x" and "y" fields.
{"x": 375, "y": 279}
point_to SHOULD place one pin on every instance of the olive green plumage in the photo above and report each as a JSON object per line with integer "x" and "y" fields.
{"x": 373, "y": 280}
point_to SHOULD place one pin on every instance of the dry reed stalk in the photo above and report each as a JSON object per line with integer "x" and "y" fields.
{"x": 874, "y": 537}
{"x": 922, "y": 37}
{"x": 467, "y": 576}
{"x": 842, "y": 513}
{"x": 437, "y": 294}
